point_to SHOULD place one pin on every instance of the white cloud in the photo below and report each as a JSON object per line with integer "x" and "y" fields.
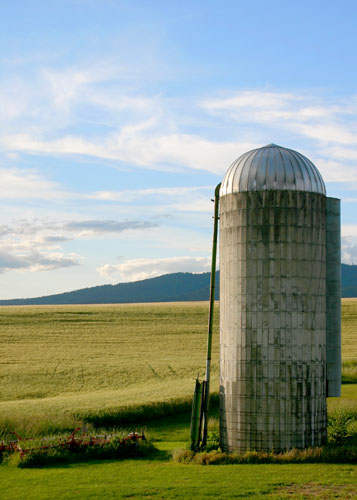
{"x": 200, "y": 205}
{"x": 33, "y": 260}
{"x": 341, "y": 153}
{"x": 333, "y": 170}
{"x": 349, "y": 243}
{"x": 26, "y": 246}
{"x": 326, "y": 132}
{"x": 349, "y": 230}
{"x": 349, "y": 250}
{"x": 17, "y": 183}
{"x": 139, "y": 269}
{"x": 36, "y": 245}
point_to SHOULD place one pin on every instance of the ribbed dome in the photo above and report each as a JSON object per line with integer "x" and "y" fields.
{"x": 272, "y": 168}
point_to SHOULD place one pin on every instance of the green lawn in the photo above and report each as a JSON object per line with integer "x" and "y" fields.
{"x": 163, "y": 479}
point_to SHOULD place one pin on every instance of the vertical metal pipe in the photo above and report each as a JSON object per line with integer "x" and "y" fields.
{"x": 195, "y": 416}
{"x": 211, "y": 313}
{"x": 202, "y": 405}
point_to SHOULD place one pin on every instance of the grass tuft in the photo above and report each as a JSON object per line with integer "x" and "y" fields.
{"x": 341, "y": 447}
{"x": 328, "y": 454}
{"x": 340, "y": 428}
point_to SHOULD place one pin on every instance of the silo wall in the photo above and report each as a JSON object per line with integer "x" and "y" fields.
{"x": 333, "y": 296}
{"x": 272, "y": 320}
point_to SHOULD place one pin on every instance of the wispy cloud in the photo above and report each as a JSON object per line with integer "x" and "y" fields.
{"x": 107, "y": 226}
{"x": 171, "y": 199}
{"x": 24, "y": 184}
{"x": 55, "y": 231}
{"x": 329, "y": 124}
{"x": 147, "y": 130}
{"x": 139, "y": 269}
{"x": 18, "y": 184}
{"x": 159, "y": 152}
{"x": 50, "y": 99}
{"x": 251, "y": 99}
{"x": 67, "y": 86}
{"x": 130, "y": 195}
{"x": 307, "y": 114}
{"x": 149, "y": 135}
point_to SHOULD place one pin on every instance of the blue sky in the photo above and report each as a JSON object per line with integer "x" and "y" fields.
{"x": 118, "y": 119}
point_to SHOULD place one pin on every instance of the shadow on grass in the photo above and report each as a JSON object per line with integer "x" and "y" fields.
{"x": 346, "y": 379}
{"x": 174, "y": 427}
{"x": 157, "y": 456}
{"x": 140, "y": 415}
{"x": 349, "y": 372}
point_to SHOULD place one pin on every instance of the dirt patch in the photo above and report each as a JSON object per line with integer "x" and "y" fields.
{"x": 313, "y": 490}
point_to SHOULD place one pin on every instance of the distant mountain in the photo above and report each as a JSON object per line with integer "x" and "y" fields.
{"x": 168, "y": 288}
{"x": 349, "y": 280}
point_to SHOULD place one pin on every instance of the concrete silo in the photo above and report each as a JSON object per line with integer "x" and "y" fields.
{"x": 279, "y": 302}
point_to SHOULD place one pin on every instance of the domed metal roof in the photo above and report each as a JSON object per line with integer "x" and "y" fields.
{"x": 272, "y": 168}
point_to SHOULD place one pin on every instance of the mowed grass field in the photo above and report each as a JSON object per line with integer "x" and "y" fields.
{"x": 57, "y": 363}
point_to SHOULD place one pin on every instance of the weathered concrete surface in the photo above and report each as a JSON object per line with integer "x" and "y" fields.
{"x": 273, "y": 320}
{"x": 333, "y": 297}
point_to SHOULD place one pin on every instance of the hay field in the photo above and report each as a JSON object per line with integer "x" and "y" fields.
{"x": 56, "y": 361}
{"x": 349, "y": 329}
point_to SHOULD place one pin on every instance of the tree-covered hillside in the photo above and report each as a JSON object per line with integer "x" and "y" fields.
{"x": 168, "y": 288}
